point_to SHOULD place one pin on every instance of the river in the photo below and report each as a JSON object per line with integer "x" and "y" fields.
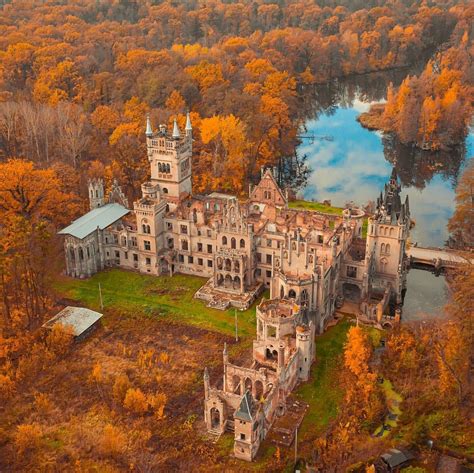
{"x": 350, "y": 163}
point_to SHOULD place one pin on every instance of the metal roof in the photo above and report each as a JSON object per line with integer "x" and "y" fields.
{"x": 79, "y": 318}
{"x": 395, "y": 457}
{"x": 244, "y": 411}
{"x": 100, "y": 217}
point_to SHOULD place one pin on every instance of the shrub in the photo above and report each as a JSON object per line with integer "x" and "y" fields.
{"x": 135, "y": 401}
{"x": 113, "y": 441}
{"x": 27, "y": 437}
{"x": 120, "y": 388}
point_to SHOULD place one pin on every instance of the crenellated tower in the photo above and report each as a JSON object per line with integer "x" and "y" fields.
{"x": 388, "y": 231}
{"x": 170, "y": 157}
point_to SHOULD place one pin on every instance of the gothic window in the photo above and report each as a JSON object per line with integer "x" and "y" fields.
{"x": 224, "y": 240}
{"x": 304, "y": 297}
{"x": 242, "y": 243}
{"x": 160, "y": 169}
{"x": 387, "y": 249}
{"x": 168, "y": 168}
{"x": 382, "y": 248}
{"x": 233, "y": 243}
{"x": 351, "y": 272}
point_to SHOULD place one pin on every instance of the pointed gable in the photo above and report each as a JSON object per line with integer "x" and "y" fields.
{"x": 244, "y": 412}
{"x": 268, "y": 192}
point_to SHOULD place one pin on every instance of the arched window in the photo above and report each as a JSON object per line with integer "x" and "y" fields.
{"x": 382, "y": 248}
{"x": 392, "y": 231}
{"x": 292, "y": 294}
{"x": 224, "y": 240}
{"x": 233, "y": 243}
{"x": 168, "y": 168}
{"x": 165, "y": 190}
{"x": 242, "y": 243}
{"x": 160, "y": 169}
{"x": 387, "y": 249}
{"x": 383, "y": 265}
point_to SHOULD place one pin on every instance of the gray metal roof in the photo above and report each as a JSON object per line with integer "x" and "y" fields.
{"x": 395, "y": 457}
{"x": 244, "y": 412}
{"x": 100, "y": 217}
{"x": 78, "y": 318}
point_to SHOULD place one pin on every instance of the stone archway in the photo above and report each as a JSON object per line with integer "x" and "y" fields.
{"x": 236, "y": 385}
{"x": 215, "y": 418}
{"x": 351, "y": 292}
{"x": 248, "y": 384}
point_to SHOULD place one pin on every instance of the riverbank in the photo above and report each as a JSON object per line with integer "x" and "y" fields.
{"x": 373, "y": 119}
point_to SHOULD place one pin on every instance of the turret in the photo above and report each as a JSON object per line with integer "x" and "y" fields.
{"x": 304, "y": 346}
{"x": 188, "y": 130}
{"x": 176, "y": 133}
{"x": 96, "y": 193}
{"x": 149, "y": 129}
{"x": 206, "y": 383}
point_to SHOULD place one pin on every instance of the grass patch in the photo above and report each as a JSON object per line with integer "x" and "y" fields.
{"x": 317, "y": 206}
{"x": 144, "y": 295}
{"x": 322, "y": 392}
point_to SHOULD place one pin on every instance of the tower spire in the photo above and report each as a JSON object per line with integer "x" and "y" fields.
{"x": 149, "y": 129}
{"x": 176, "y": 133}
{"x": 189, "y": 128}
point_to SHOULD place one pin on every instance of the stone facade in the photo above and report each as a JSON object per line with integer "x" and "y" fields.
{"x": 249, "y": 398}
{"x": 245, "y": 246}
{"x": 310, "y": 262}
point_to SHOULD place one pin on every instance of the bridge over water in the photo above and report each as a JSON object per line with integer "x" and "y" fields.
{"x": 436, "y": 258}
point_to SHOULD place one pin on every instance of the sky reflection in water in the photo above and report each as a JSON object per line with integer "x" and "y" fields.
{"x": 352, "y": 166}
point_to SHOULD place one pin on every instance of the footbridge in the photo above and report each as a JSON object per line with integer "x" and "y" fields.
{"x": 436, "y": 258}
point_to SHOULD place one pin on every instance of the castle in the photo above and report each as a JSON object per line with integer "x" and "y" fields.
{"x": 309, "y": 261}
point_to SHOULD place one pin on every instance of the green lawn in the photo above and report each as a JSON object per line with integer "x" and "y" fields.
{"x": 327, "y": 209}
{"x": 168, "y": 297}
{"x": 322, "y": 392}
{"x": 307, "y": 205}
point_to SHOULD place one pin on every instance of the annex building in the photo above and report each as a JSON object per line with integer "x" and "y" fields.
{"x": 310, "y": 262}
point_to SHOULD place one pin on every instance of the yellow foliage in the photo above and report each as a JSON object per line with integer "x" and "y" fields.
{"x": 135, "y": 401}
{"x": 120, "y": 388}
{"x": 7, "y": 387}
{"x": 113, "y": 441}
{"x": 27, "y": 437}
{"x": 158, "y": 403}
{"x": 96, "y": 376}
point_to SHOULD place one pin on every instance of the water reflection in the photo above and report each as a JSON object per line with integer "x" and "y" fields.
{"x": 350, "y": 163}
{"x": 356, "y": 163}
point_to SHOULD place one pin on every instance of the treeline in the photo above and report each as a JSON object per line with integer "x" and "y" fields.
{"x": 242, "y": 68}
{"x": 432, "y": 110}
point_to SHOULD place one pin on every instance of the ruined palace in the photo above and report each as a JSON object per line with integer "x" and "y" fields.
{"x": 309, "y": 261}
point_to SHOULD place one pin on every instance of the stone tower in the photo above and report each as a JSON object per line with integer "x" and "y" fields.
{"x": 170, "y": 160}
{"x": 96, "y": 193}
{"x": 388, "y": 231}
{"x": 305, "y": 346}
